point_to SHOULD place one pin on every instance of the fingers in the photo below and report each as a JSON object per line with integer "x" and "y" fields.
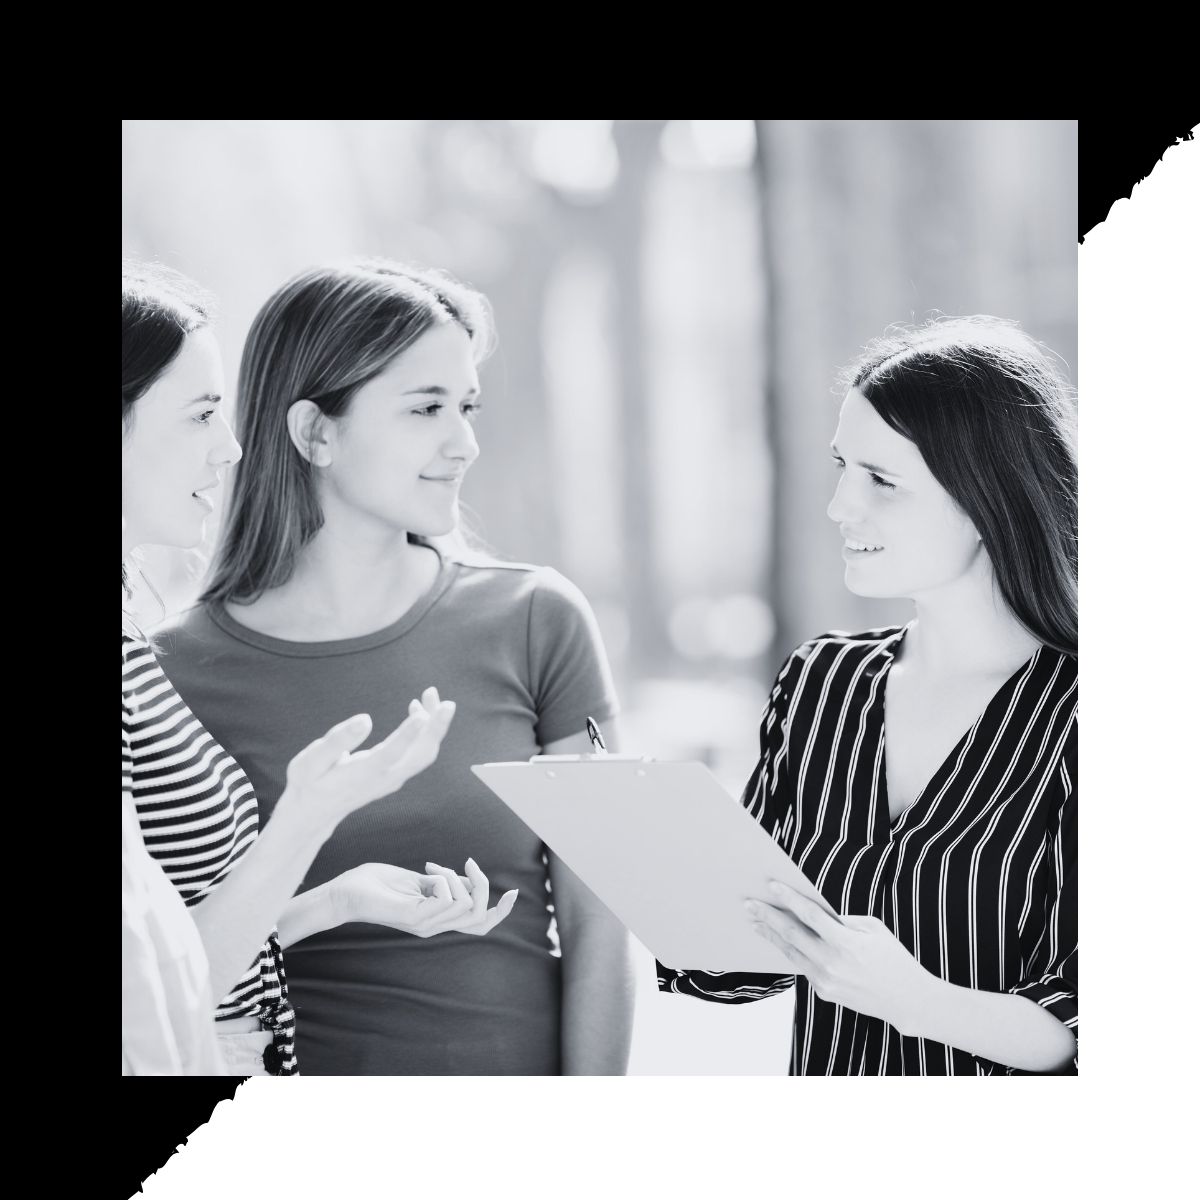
{"x": 441, "y": 715}
{"x": 431, "y": 723}
{"x": 809, "y": 912}
{"x": 479, "y": 889}
{"x": 319, "y": 756}
{"x": 789, "y": 929}
{"x": 794, "y": 955}
{"x": 460, "y": 898}
{"x": 468, "y": 913}
{"x": 437, "y": 889}
{"x": 503, "y": 907}
{"x": 397, "y": 743}
{"x": 414, "y": 743}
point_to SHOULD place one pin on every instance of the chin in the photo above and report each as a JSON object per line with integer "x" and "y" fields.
{"x": 181, "y": 538}
{"x": 868, "y": 589}
{"x": 434, "y": 526}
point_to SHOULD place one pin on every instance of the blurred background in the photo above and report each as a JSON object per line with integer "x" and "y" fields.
{"x": 674, "y": 300}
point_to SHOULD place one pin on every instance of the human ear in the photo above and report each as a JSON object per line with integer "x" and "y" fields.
{"x": 310, "y": 432}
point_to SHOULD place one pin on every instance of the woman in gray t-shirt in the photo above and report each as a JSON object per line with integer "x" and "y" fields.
{"x": 356, "y": 397}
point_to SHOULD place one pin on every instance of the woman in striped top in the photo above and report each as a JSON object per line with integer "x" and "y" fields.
{"x": 923, "y": 776}
{"x": 197, "y": 810}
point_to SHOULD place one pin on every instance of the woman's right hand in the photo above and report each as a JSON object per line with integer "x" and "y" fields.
{"x": 326, "y": 781}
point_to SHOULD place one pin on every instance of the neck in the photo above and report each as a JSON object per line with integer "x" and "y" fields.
{"x": 966, "y": 627}
{"x": 351, "y": 575}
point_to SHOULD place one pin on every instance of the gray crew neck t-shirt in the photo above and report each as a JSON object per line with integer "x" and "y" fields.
{"x": 517, "y": 648}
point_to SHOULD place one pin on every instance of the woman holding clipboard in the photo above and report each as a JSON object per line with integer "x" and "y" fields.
{"x": 924, "y": 776}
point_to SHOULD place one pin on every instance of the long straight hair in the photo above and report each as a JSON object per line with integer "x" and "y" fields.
{"x": 320, "y": 337}
{"x": 995, "y": 422}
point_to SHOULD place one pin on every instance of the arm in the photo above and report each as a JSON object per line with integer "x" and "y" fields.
{"x": 597, "y": 1016}
{"x": 383, "y": 894}
{"x": 166, "y": 1001}
{"x": 306, "y": 914}
{"x": 1005, "y": 1028}
{"x": 863, "y": 966}
{"x": 237, "y": 916}
{"x": 1031, "y": 1027}
{"x": 325, "y": 783}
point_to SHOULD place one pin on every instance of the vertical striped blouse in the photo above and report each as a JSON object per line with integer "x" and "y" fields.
{"x": 198, "y": 815}
{"x": 976, "y": 877}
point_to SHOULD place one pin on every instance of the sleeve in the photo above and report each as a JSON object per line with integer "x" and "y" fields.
{"x": 1052, "y": 977}
{"x": 166, "y": 1001}
{"x": 769, "y": 779}
{"x": 147, "y": 1041}
{"x": 568, "y": 668}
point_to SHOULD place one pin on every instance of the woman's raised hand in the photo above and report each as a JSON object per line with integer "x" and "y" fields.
{"x": 438, "y": 902}
{"x": 327, "y": 780}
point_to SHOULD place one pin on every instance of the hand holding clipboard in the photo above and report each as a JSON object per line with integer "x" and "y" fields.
{"x": 663, "y": 845}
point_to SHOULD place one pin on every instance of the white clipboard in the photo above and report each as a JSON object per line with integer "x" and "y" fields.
{"x": 671, "y": 853}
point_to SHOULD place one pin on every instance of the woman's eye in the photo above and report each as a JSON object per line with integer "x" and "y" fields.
{"x": 839, "y": 463}
{"x": 880, "y": 482}
{"x": 429, "y": 410}
{"x": 204, "y": 417}
{"x": 471, "y": 409}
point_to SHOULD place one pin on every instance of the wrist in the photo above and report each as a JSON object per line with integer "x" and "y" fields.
{"x": 308, "y": 913}
{"x": 926, "y": 1006}
{"x": 301, "y": 822}
{"x": 341, "y": 900}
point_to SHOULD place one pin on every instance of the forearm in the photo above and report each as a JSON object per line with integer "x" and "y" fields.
{"x": 237, "y": 916}
{"x": 1011, "y": 1030}
{"x": 598, "y": 992}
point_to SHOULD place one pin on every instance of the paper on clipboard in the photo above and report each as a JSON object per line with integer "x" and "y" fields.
{"x": 664, "y": 846}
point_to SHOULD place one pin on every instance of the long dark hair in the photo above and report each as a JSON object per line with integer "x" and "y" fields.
{"x": 320, "y": 337}
{"x": 159, "y": 308}
{"x": 995, "y": 422}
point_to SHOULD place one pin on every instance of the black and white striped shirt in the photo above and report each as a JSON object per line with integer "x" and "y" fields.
{"x": 198, "y": 815}
{"x": 976, "y": 877}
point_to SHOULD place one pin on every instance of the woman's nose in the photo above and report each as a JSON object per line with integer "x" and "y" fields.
{"x": 841, "y": 507}
{"x": 462, "y": 443}
{"x": 228, "y": 450}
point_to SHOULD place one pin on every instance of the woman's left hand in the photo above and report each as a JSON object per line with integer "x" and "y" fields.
{"x": 858, "y": 963}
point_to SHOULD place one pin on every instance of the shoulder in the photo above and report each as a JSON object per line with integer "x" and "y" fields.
{"x": 143, "y": 682}
{"x": 837, "y": 644}
{"x": 525, "y": 582}
{"x": 134, "y": 646}
{"x": 189, "y": 637}
{"x": 1062, "y": 670}
{"x": 138, "y": 660}
{"x": 194, "y": 622}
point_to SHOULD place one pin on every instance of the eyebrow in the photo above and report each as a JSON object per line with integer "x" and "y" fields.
{"x": 208, "y": 398}
{"x": 435, "y": 389}
{"x": 868, "y": 466}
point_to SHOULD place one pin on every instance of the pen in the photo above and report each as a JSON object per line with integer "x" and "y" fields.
{"x": 597, "y": 741}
